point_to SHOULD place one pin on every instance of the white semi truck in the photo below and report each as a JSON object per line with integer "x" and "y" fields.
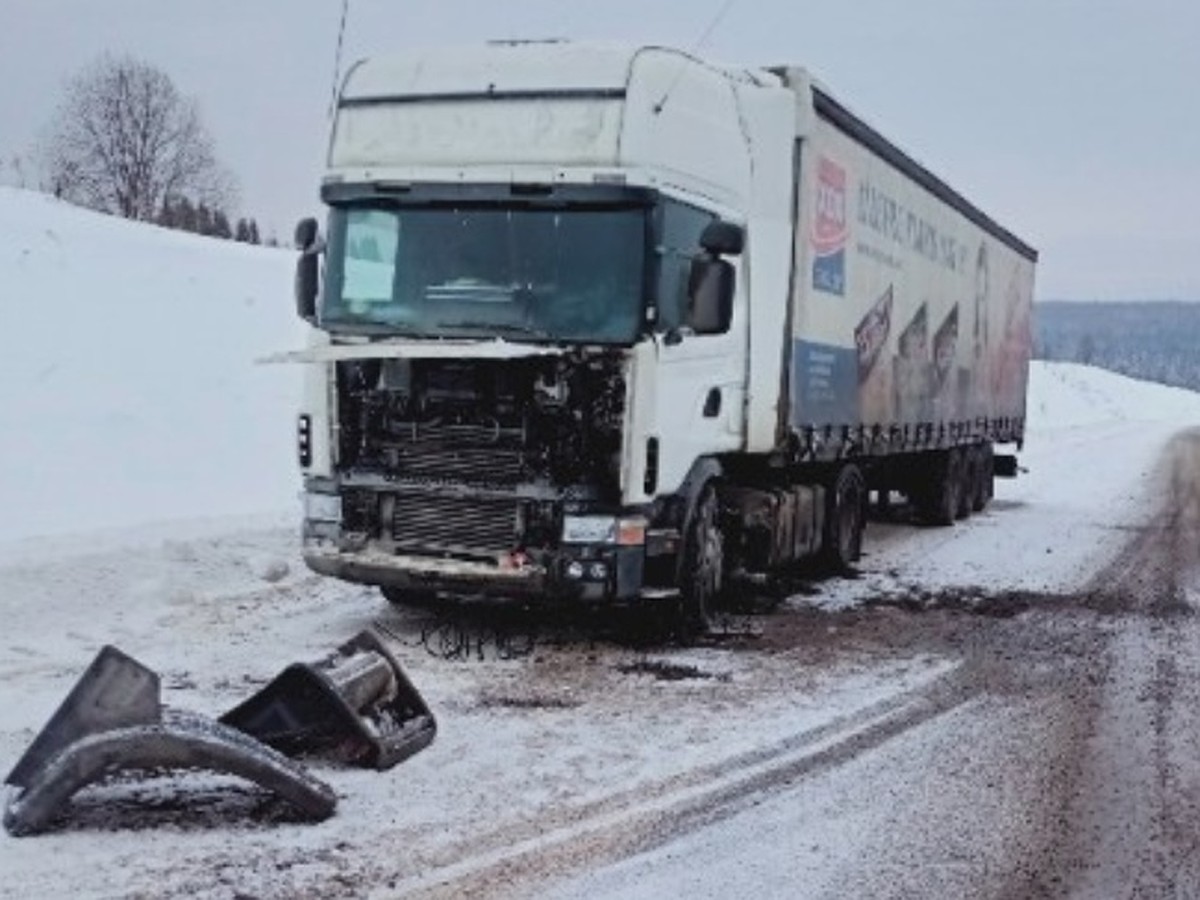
{"x": 615, "y": 325}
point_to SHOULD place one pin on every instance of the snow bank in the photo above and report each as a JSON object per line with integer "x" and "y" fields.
{"x": 1070, "y": 395}
{"x": 128, "y": 391}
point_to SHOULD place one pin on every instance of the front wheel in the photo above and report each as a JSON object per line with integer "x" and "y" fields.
{"x": 702, "y": 578}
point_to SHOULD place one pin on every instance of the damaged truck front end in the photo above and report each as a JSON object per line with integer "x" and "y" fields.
{"x": 468, "y": 418}
{"x": 479, "y": 476}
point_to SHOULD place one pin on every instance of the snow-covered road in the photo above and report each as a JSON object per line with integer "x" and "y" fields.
{"x": 873, "y": 737}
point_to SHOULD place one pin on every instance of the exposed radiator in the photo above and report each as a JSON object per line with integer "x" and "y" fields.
{"x": 474, "y": 526}
{"x": 462, "y": 454}
{"x": 463, "y": 465}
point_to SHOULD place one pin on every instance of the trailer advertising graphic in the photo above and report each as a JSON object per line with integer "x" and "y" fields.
{"x": 870, "y": 339}
{"x": 829, "y": 230}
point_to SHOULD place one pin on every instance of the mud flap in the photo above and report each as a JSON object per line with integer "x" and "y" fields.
{"x": 113, "y": 721}
{"x": 355, "y": 704}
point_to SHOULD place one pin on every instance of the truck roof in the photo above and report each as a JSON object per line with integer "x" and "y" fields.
{"x": 580, "y": 70}
{"x": 497, "y": 68}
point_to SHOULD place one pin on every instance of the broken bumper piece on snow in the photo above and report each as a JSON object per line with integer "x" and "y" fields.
{"x": 355, "y": 704}
{"x": 113, "y": 721}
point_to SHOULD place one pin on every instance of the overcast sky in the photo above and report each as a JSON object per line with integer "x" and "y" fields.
{"x": 1076, "y": 123}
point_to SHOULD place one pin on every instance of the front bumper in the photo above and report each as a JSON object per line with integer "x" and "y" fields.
{"x": 532, "y": 580}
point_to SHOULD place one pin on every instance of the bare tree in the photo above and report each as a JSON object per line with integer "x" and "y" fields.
{"x": 124, "y": 140}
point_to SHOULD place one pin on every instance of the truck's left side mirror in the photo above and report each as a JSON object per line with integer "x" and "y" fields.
{"x": 710, "y": 295}
{"x": 308, "y": 273}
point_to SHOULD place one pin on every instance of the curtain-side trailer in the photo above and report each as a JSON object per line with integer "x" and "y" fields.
{"x": 612, "y": 324}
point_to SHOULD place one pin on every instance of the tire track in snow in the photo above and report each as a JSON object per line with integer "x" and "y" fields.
{"x": 514, "y": 858}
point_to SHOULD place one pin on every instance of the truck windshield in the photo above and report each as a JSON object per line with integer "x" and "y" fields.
{"x": 572, "y": 274}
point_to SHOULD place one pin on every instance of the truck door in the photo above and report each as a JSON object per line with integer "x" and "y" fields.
{"x": 700, "y": 379}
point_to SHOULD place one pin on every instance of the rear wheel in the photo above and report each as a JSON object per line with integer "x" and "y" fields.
{"x": 937, "y": 500}
{"x": 984, "y": 481}
{"x": 969, "y": 481}
{"x": 702, "y": 578}
{"x": 845, "y": 519}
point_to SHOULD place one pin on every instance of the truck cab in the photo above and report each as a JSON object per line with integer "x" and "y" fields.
{"x": 531, "y": 316}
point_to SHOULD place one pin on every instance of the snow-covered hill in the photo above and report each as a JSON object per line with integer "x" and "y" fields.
{"x": 128, "y": 389}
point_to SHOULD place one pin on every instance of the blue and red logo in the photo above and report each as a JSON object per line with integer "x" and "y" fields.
{"x": 829, "y": 231}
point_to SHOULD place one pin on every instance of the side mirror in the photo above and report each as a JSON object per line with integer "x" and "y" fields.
{"x": 307, "y": 284}
{"x": 308, "y": 268}
{"x": 306, "y": 234}
{"x": 723, "y": 238}
{"x": 710, "y": 295}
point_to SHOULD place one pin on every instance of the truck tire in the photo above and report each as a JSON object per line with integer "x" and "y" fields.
{"x": 409, "y": 598}
{"x": 845, "y": 519}
{"x": 702, "y": 576}
{"x": 938, "y": 497}
{"x": 969, "y": 483}
{"x": 984, "y": 479}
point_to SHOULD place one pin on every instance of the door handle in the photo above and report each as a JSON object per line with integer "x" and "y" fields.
{"x": 712, "y": 403}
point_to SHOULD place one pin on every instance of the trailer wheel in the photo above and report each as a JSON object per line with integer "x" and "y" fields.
{"x": 937, "y": 500}
{"x": 845, "y": 519}
{"x": 409, "y": 598}
{"x": 702, "y": 578}
{"x": 984, "y": 479}
{"x": 968, "y": 481}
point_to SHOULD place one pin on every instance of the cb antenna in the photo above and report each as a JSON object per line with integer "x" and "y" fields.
{"x": 337, "y": 59}
{"x": 704, "y": 35}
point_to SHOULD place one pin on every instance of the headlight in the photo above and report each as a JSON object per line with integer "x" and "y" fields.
{"x": 629, "y": 532}
{"x": 589, "y": 529}
{"x": 323, "y": 507}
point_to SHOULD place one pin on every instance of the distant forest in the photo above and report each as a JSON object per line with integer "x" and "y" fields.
{"x": 1152, "y": 340}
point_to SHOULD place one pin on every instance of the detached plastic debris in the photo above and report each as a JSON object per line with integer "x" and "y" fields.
{"x": 356, "y": 705}
{"x": 113, "y": 720}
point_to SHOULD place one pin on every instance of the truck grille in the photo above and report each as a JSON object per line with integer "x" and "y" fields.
{"x": 464, "y": 454}
{"x": 472, "y": 526}
{"x": 465, "y": 465}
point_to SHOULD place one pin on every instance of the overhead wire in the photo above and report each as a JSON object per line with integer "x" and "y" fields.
{"x": 695, "y": 48}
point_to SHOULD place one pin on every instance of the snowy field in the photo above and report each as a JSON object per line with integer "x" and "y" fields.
{"x": 149, "y": 492}
{"x": 130, "y": 393}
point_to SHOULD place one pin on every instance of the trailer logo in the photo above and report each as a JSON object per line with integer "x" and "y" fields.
{"x": 829, "y": 232}
{"x": 871, "y": 334}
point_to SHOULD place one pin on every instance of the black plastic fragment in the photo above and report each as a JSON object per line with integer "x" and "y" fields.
{"x": 356, "y": 704}
{"x": 113, "y": 721}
